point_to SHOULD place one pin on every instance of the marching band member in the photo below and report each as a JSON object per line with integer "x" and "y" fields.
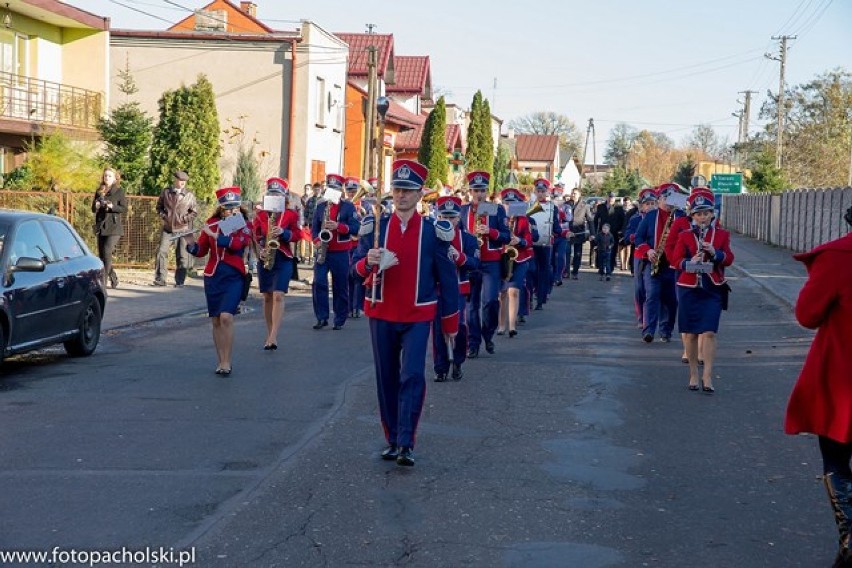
{"x": 224, "y": 274}
{"x": 560, "y": 243}
{"x": 647, "y": 201}
{"x": 356, "y": 286}
{"x": 701, "y": 254}
{"x": 548, "y": 227}
{"x": 521, "y": 238}
{"x": 417, "y": 280}
{"x": 659, "y": 277}
{"x": 482, "y": 318}
{"x": 464, "y": 250}
{"x": 277, "y": 260}
{"x": 332, "y": 230}
{"x": 680, "y": 225}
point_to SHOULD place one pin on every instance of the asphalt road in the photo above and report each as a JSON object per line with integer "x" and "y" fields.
{"x": 575, "y": 445}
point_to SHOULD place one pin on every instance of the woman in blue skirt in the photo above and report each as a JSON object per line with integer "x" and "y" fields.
{"x": 277, "y": 262}
{"x": 224, "y": 273}
{"x": 701, "y": 254}
{"x": 521, "y": 240}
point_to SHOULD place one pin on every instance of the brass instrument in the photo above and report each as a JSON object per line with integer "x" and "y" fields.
{"x": 510, "y": 251}
{"x": 325, "y": 235}
{"x": 180, "y": 235}
{"x": 661, "y": 246}
{"x": 272, "y": 243}
{"x": 536, "y": 208}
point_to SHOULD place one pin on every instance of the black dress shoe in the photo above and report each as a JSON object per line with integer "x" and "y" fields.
{"x": 522, "y": 319}
{"x": 270, "y": 347}
{"x": 489, "y": 347}
{"x": 574, "y": 277}
{"x": 390, "y": 453}
{"x": 472, "y": 353}
{"x": 405, "y": 457}
{"x": 337, "y": 327}
{"x": 500, "y": 332}
{"x": 665, "y": 339}
{"x": 538, "y": 307}
{"x": 457, "y": 372}
{"x": 647, "y": 338}
{"x": 512, "y": 333}
{"x": 440, "y": 377}
{"x": 321, "y": 324}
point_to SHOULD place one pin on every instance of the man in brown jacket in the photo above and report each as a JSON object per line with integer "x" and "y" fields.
{"x": 177, "y": 208}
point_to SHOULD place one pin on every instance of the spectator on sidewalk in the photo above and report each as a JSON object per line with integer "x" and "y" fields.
{"x": 108, "y": 205}
{"x": 312, "y": 197}
{"x": 821, "y": 402}
{"x": 177, "y": 208}
{"x": 606, "y": 243}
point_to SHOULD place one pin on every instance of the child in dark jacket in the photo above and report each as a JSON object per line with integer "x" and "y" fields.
{"x": 605, "y": 242}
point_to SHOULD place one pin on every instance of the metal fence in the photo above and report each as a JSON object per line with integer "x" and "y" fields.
{"x": 36, "y": 100}
{"x": 798, "y": 219}
{"x": 142, "y": 226}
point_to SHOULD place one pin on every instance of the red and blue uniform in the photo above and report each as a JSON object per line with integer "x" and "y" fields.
{"x": 482, "y": 317}
{"x": 277, "y": 279}
{"x": 422, "y": 286}
{"x": 337, "y": 257}
{"x": 660, "y": 308}
{"x": 225, "y": 270}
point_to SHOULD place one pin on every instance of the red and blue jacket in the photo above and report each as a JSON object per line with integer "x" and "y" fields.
{"x": 227, "y": 249}
{"x": 347, "y": 229}
{"x": 290, "y": 230}
{"x": 468, "y": 260}
{"x": 687, "y": 246}
{"x": 650, "y": 231}
{"x": 492, "y": 247}
{"x": 424, "y": 282}
{"x": 527, "y": 235}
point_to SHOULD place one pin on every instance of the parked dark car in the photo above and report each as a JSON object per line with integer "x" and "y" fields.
{"x": 52, "y": 286}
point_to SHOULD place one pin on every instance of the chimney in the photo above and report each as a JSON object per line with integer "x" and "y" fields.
{"x": 510, "y": 134}
{"x": 249, "y": 8}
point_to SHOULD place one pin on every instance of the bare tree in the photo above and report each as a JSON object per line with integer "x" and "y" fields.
{"x": 704, "y": 139}
{"x": 550, "y": 123}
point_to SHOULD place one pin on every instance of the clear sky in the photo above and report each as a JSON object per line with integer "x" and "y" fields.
{"x": 661, "y": 65}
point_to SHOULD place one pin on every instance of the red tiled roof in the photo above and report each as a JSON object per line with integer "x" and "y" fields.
{"x": 536, "y": 147}
{"x": 411, "y": 73}
{"x": 239, "y": 29}
{"x": 452, "y": 137}
{"x": 410, "y": 140}
{"x": 400, "y": 115}
{"x": 358, "y": 44}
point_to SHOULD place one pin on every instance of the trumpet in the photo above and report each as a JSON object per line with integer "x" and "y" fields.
{"x": 182, "y": 234}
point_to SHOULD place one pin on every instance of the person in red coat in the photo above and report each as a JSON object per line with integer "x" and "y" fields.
{"x": 821, "y": 402}
{"x": 224, "y": 274}
{"x": 701, "y": 255}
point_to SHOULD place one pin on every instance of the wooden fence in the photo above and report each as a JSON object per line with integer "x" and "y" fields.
{"x": 798, "y": 219}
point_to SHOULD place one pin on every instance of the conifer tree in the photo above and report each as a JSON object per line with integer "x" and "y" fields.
{"x": 480, "y": 141}
{"x": 437, "y": 157}
{"x": 186, "y": 137}
{"x": 127, "y": 135}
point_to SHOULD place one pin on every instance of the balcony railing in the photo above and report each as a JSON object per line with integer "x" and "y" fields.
{"x": 34, "y": 100}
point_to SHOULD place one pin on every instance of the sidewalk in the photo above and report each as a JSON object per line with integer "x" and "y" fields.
{"x": 135, "y": 301}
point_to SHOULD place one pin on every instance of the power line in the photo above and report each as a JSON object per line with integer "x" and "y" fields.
{"x": 807, "y": 27}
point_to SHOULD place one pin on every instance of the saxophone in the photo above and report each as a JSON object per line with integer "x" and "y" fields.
{"x": 324, "y": 236}
{"x": 272, "y": 244}
{"x": 511, "y": 252}
{"x": 661, "y": 246}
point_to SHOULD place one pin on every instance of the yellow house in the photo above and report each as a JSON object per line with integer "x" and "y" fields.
{"x": 54, "y": 74}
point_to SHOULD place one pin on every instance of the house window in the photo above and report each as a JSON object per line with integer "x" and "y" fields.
{"x": 321, "y": 102}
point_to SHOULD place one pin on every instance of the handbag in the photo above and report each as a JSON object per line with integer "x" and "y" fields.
{"x": 247, "y": 278}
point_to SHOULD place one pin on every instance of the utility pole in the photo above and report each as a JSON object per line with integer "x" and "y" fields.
{"x": 739, "y": 114}
{"x": 590, "y": 132}
{"x": 370, "y": 28}
{"x": 782, "y": 58}
{"x": 746, "y": 113}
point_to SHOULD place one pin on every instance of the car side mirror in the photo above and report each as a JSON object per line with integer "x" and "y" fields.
{"x": 28, "y": 264}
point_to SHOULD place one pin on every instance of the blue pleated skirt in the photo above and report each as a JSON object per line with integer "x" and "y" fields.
{"x": 519, "y": 275}
{"x": 277, "y": 279}
{"x": 223, "y": 290}
{"x": 699, "y": 309}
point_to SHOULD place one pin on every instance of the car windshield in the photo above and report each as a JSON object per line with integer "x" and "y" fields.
{"x": 4, "y": 229}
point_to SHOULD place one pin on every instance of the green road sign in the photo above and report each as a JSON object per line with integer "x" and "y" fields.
{"x": 726, "y": 183}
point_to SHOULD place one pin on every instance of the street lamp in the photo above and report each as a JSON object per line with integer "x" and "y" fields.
{"x": 382, "y": 106}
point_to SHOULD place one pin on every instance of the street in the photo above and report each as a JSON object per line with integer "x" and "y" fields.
{"x": 576, "y": 444}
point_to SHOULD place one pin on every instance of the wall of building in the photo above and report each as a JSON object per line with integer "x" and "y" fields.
{"x": 85, "y": 60}
{"x": 320, "y": 119}
{"x": 251, "y": 82}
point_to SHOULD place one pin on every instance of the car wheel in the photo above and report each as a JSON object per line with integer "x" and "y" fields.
{"x": 86, "y": 341}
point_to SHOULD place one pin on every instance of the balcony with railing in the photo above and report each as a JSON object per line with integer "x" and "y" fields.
{"x": 35, "y": 100}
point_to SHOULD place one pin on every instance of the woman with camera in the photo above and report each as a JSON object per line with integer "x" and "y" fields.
{"x": 108, "y": 205}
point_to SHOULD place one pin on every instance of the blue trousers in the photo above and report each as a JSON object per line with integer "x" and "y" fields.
{"x": 560, "y": 250}
{"x": 356, "y": 288}
{"x": 440, "y": 355}
{"x": 660, "y": 301}
{"x": 338, "y": 264}
{"x": 638, "y": 289}
{"x": 399, "y": 354}
{"x": 543, "y": 280}
{"x": 484, "y": 311}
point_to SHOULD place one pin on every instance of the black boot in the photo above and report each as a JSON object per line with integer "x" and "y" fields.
{"x": 840, "y": 497}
